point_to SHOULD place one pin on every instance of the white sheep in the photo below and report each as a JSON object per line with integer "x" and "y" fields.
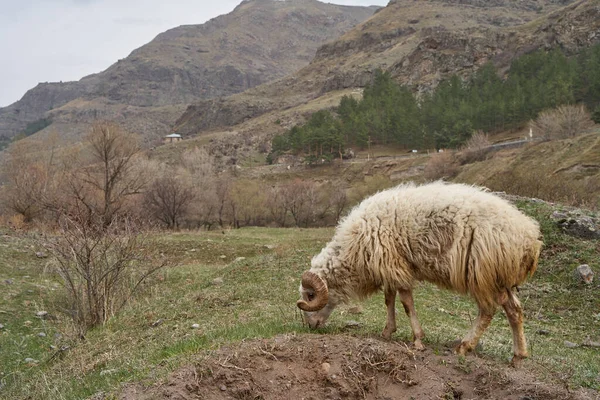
{"x": 456, "y": 236}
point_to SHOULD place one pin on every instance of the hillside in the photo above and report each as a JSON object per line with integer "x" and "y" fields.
{"x": 259, "y": 41}
{"x": 419, "y": 43}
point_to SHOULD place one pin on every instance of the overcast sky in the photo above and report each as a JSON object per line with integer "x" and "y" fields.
{"x": 65, "y": 40}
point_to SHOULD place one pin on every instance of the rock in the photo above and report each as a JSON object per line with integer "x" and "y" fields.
{"x": 40, "y": 254}
{"x": 30, "y": 360}
{"x": 584, "y": 274}
{"x": 325, "y": 367}
{"x": 156, "y": 323}
{"x": 222, "y": 256}
{"x": 269, "y": 246}
{"x": 9, "y": 281}
{"x": 352, "y": 324}
{"x": 107, "y": 372}
{"x": 41, "y": 314}
{"x": 217, "y": 281}
{"x": 1, "y": 326}
{"x": 195, "y": 326}
{"x": 355, "y": 310}
{"x": 570, "y": 345}
{"x": 543, "y": 332}
{"x": 223, "y": 388}
{"x": 238, "y": 259}
{"x": 575, "y": 223}
{"x": 589, "y": 343}
{"x": 41, "y": 334}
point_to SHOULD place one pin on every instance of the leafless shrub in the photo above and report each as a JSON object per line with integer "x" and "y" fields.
{"x": 441, "y": 166}
{"x": 100, "y": 267}
{"x": 476, "y": 148}
{"x": 169, "y": 197}
{"x": 562, "y": 122}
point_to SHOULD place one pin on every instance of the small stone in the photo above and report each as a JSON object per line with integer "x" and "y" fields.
{"x": 589, "y": 343}
{"x": 584, "y": 274}
{"x": 30, "y": 360}
{"x": 9, "y": 281}
{"x": 355, "y": 310}
{"x": 239, "y": 259}
{"x": 570, "y": 345}
{"x": 156, "y": 323}
{"x": 1, "y": 326}
{"x": 217, "y": 281}
{"x": 195, "y": 326}
{"x": 107, "y": 372}
{"x": 53, "y": 347}
{"x": 325, "y": 367}
{"x": 27, "y": 323}
{"x": 41, "y": 314}
{"x": 352, "y": 324}
{"x": 222, "y": 256}
{"x": 193, "y": 250}
{"x": 223, "y": 388}
{"x": 269, "y": 246}
{"x": 40, "y": 254}
{"x": 41, "y": 334}
{"x": 543, "y": 332}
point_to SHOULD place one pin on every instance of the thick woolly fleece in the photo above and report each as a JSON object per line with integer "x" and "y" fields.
{"x": 456, "y": 236}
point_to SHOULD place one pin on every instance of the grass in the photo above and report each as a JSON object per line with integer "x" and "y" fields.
{"x": 154, "y": 335}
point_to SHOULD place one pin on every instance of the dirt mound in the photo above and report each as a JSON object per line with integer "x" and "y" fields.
{"x": 345, "y": 367}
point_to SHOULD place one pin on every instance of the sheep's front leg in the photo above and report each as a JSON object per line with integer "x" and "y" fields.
{"x": 514, "y": 313}
{"x": 406, "y": 298}
{"x": 390, "y": 303}
{"x": 484, "y": 318}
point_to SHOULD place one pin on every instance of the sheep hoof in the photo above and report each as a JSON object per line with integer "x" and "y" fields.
{"x": 418, "y": 345}
{"x": 462, "y": 349}
{"x": 387, "y": 335}
{"x": 517, "y": 360}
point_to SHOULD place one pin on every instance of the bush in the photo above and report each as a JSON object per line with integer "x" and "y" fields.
{"x": 562, "y": 122}
{"x": 441, "y": 166}
{"x": 101, "y": 267}
{"x": 476, "y": 148}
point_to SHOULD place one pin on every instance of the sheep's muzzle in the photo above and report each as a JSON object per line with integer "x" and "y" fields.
{"x": 320, "y": 297}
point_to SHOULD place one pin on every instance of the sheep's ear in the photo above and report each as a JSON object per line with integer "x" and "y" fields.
{"x": 315, "y": 293}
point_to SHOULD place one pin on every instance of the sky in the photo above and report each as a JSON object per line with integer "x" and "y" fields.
{"x": 65, "y": 40}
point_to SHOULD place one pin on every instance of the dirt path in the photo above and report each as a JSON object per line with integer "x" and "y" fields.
{"x": 314, "y": 367}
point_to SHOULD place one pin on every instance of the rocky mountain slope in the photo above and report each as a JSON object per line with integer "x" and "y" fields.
{"x": 419, "y": 43}
{"x": 259, "y": 41}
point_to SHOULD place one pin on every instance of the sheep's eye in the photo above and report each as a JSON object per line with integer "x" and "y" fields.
{"x": 311, "y": 296}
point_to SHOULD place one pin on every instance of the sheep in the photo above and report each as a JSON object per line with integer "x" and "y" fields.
{"x": 456, "y": 236}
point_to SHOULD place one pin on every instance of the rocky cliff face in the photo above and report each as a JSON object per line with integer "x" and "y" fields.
{"x": 261, "y": 40}
{"x": 419, "y": 43}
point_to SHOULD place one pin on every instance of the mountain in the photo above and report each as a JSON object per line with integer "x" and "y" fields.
{"x": 259, "y": 41}
{"x": 419, "y": 43}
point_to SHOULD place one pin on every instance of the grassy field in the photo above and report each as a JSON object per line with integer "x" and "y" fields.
{"x": 260, "y": 269}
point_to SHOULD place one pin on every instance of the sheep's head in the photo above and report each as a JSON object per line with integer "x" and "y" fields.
{"x": 315, "y": 300}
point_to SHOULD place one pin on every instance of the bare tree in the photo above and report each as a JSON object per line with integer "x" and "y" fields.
{"x": 104, "y": 185}
{"x": 168, "y": 198}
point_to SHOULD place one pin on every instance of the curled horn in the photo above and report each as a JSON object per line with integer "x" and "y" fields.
{"x": 310, "y": 280}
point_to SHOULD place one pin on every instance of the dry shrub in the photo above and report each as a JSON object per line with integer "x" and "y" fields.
{"x": 441, "y": 166}
{"x": 100, "y": 267}
{"x": 562, "y": 122}
{"x": 476, "y": 148}
{"x": 538, "y": 184}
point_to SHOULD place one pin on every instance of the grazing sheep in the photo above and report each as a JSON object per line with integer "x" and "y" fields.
{"x": 456, "y": 236}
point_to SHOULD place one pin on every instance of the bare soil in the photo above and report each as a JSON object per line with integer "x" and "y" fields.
{"x": 345, "y": 367}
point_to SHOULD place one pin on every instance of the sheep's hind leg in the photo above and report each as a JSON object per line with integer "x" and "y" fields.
{"x": 409, "y": 307}
{"x": 484, "y": 318}
{"x": 390, "y": 302}
{"x": 514, "y": 313}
